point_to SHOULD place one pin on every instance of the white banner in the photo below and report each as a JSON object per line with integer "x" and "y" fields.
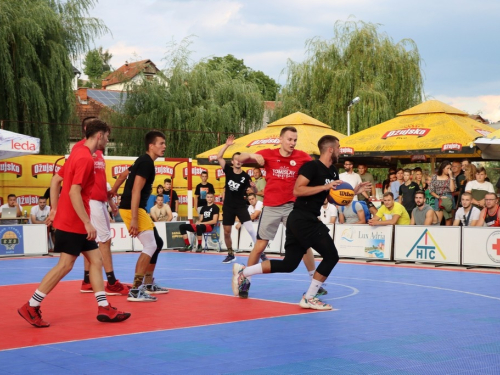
{"x": 481, "y": 246}
{"x": 430, "y": 244}
{"x": 246, "y": 243}
{"x": 162, "y": 231}
{"x": 234, "y": 237}
{"x": 120, "y": 239}
{"x": 363, "y": 241}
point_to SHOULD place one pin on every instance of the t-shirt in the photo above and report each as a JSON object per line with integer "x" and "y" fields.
{"x": 144, "y": 167}
{"x": 160, "y": 213}
{"x": 462, "y": 216}
{"x": 419, "y": 215}
{"x": 352, "y": 179}
{"x": 351, "y": 217}
{"x": 235, "y": 188}
{"x": 208, "y": 212}
{"x": 327, "y": 213}
{"x": 166, "y": 199}
{"x": 260, "y": 183}
{"x": 78, "y": 170}
{"x": 398, "y": 209}
{"x": 202, "y": 191}
{"x": 9, "y": 222}
{"x": 407, "y": 192}
{"x": 484, "y": 186}
{"x": 395, "y": 188}
{"x": 281, "y": 174}
{"x": 99, "y": 191}
{"x": 318, "y": 174}
{"x": 367, "y": 177}
{"x": 40, "y": 215}
{"x": 252, "y": 209}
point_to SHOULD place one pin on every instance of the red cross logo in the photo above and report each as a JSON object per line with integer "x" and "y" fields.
{"x": 496, "y": 246}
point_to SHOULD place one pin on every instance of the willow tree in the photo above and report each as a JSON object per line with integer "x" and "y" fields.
{"x": 196, "y": 107}
{"x": 38, "y": 41}
{"x": 358, "y": 61}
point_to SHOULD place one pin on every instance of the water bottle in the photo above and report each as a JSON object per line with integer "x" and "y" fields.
{"x": 25, "y": 213}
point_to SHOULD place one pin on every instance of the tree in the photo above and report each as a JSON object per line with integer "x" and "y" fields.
{"x": 93, "y": 67}
{"x": 106, "y": 57}
{"x": 192, "y": 103}
{"x": 358, "y": 61}
{"x": 38, "y": 40}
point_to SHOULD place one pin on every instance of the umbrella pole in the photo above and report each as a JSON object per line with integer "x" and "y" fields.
{"x": 433, "y": 163}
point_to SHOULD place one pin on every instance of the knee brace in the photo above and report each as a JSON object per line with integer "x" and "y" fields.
{"x": 148, "y": 241}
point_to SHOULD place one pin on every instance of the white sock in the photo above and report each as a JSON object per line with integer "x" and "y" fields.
{"x": 37, "y": 298}
{"x": 311, "y": 274}
{"x": 313, "y": 288}
{"x": 101, "y": 299}
{"x": 253, "y": 270}
{"x": 251, "y": 231}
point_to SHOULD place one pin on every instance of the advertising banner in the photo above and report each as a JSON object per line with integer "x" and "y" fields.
{"x": 481, "y": 246}
{"x": 246, "y": 243}
{"x": 162, "y": 231}
{"x": 120, "y": 239}
{"x": 430, "y": 244}
{"x": 11, "y": 240}
{"x": 363, "y": 241}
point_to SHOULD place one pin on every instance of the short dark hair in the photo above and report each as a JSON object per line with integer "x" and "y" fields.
{"x": 388, "y": 194}
{"x": 417, "y": 169}
{"x": 235, "y": 154}
{"x": 480, "y": 170}
{"x": 151, "y": 136}
{"x": 252, "y": 195}
{"x": 421, "y": 192}
{"x": 86, "y": 121}
{"x": 11, "y": 195}
{"x": 42, "y": 197}
{"x": 326, "y": 140}
{"x": 288, "y": 129}
{"x": 159, "y": 196}
{"x": 407, "y": 170}
{"x": 400, "y": 169}
{"x": 392, "y": 173}
{"x": 167, "y": 180}
{"x": 204, "y": 172}
{"x": 95, "y": 126}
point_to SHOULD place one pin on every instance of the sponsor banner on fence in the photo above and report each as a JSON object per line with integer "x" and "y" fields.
{"x": 246, "y": 243}
{"x": 481, "y": 246}
{"x": 432, "y": 244}
{"x": 363, "y": 241}
{"x": 11, "y": 240}
{"x": 120, "y": 239}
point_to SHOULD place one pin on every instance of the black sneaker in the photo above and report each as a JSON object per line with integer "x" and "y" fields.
{"x": 186, "y": 248}
{"x": 199, "y": 249}
{"x": 322, "y": 291}
{"x": 263, "y": 257}
{"x": 229, "y": 259}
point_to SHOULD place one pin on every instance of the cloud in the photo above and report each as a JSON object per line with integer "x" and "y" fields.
{"x": 488, "y": 106}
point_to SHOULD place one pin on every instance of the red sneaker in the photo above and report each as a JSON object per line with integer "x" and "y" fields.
{"x": 86, "y": 287}
{"x": 110, "y": 314}
{"x": 117, "y": 289}
{"x": 32, "y": 315}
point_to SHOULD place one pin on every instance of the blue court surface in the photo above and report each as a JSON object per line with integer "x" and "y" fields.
{"x": 387, "y": 320}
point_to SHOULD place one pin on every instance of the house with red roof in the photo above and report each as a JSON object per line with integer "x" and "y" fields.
{"x": 130, "y": 72}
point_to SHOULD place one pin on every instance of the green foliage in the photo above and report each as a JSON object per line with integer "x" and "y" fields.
{"x": 38, "y": 39}
{"x": 93, "y": 67}
{"x": 196, "y": 106}
{"x": 358, "y": 61}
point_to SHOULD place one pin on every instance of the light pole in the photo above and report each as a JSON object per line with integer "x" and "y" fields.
{"x": 351, "y": 103}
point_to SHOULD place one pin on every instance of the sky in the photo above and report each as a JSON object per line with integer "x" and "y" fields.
{"x": 458, "y": 40}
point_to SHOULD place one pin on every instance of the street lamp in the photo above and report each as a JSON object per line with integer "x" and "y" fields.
{"x": 351, "y": 103}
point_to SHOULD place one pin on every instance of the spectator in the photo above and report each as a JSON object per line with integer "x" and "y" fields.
{"x": 201, "y": 191}
{"x": 11, "y": 203}
{"x": 366, "y": 176}
{"x": 423, "y": 214}
{"x": 479, "y": 187}
{"x": 254, "y": 209}
{"x": 407, "y": 192}
{"x": 429, "y": 199}
{"x": 152, "y": 198}
{"x": 490, "y": 215}
{"x": 209, "y": 217}
{"x": 161, "y": 211}
{"x": 417, "y": 178}
{"x": 390, "y": 213}
{"x": 38, "y": 215}
{"x": 386, "y": 186}
{"x": 260, "y": 182}
{"x": 470, "y": 175}
{"x": 352, "y": 213}
{"x": 351, "y": 177}
{"x": 329, "y": 213}
{"x": 117, "y": 217}
{"x": 465, "y": 162}
{"x": 467, "y": 214}
{"x": 171, "y": 198}
{"x": 396, "y": 184}
{"x": 458, "y": 173}
{"x": 441, "y": 186}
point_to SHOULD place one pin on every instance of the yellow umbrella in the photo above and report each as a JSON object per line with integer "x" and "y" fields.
{"x": 489, "y": 146}
{"x": 431, "y": 129}
{"x": 309, "y": 131}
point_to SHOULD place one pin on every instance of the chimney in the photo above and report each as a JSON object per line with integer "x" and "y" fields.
{"x": 82, "y": 93}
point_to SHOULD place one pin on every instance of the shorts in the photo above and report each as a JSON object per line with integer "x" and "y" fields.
{"x": 73, "y": 243}
{"x": 231, "y": 213}
{"x": 99, "y": 217}
{"x": 270, "y": 219}
{"x": 144, "y": 221}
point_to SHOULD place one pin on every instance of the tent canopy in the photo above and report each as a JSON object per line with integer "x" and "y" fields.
{"x": 14, "y": 144}
{"x": 489, "y": 146}
{"x": 309, "y": 131}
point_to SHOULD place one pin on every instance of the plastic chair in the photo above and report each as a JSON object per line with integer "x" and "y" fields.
{"x": 214, "y": 234}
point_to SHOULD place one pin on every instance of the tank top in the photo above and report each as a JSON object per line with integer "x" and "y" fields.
{"x": 492, "y": 220}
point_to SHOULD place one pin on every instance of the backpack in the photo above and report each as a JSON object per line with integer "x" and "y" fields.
{"x": 363, "y": 204}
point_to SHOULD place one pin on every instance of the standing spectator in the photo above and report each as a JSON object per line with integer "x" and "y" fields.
{"x": 171, "y": 198}
{"x": 418, "y": 178}
{"x": 366, "y": 177}
{"x": 465, "y": 162}
{"x": 490, "y": 214}
{"x": 396, "y": 184}
{"x": 201, "y": 191}
{"x": 429, "y": 199}
{"x": 441, "y": 186}
{"x": 467, "y": 214}
{"x": 352, "y": 213}
{"x": 260, "y": 182}
{"x": 458, "y": 173}
{"x": 329, "y": 213}
{"x": 390, "y": 213}
{"x": 161, "y": 211}
{"x": 386, "y": 186}
{"x": 38, "y": 215}
{"x": 407, "y": 192}
{"x": 11, "y": 203}
{"x": 351, "y": 177}
{"x": 423, "y": 214}
{"x": 479, "y": 187}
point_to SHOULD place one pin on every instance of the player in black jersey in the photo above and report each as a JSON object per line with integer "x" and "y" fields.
{"x": 235, "y": 205}
{"x": 303, "y": 229}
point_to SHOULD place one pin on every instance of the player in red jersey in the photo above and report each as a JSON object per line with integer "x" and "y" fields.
{"x": 75, "y": 233}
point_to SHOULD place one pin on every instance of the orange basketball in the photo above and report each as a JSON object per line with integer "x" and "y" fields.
{"x": 341, "y": 195}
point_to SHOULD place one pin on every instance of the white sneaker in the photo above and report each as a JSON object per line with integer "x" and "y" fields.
{"x": 314, "y": 303}
{"x": 140, "y": 295}
{"x": 237, "y": 268}
{"x": 155, "y": 289}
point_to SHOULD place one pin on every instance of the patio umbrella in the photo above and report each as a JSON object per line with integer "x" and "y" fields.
{"x": 489, "y": 146}
{"x": 14, "y": 144}
{"x": 309, "y": 131}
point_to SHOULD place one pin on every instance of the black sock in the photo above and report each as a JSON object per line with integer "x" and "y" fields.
{"x": 86, "y": 277}
{"x": 230, "y": 251}
{"x": 111, "y": 277}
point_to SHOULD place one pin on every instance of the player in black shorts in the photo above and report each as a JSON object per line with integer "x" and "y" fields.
{"x": 303, "y": 229}
{"x": 235, "y": 205}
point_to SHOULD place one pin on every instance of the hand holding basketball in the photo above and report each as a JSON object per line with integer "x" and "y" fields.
{"x": 341, "y": 194}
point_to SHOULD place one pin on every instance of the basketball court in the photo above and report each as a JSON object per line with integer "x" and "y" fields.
{"x": 388, "y": 319}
